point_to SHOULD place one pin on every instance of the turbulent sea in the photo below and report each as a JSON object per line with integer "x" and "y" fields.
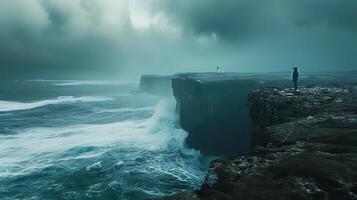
{"x": 91, "y": 140}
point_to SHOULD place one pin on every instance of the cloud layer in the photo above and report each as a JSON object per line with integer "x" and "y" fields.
{"x": 129, "y": 37}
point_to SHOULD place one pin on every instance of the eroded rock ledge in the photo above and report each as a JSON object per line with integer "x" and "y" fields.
{"x": 305, "y": 148}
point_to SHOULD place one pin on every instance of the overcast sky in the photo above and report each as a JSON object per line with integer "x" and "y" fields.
{"x": 126, "y": 38}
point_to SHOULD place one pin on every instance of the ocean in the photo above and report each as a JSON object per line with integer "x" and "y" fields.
{"x": 71, "y": 139}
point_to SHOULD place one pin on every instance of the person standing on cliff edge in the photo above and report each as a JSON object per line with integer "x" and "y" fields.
{"x": 295, "y": 77}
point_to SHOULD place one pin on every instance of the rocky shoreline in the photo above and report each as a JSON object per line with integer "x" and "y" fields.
{"x": 305, "y": 148}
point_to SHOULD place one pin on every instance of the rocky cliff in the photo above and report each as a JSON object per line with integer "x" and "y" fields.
{"x": 213, "y": 106}
{"x": 305, "y": 148}
{"x": 213, "y": 110}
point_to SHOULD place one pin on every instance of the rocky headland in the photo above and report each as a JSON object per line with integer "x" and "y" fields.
{"x": 213, "y": 109}
{"x": 305, "y": 147}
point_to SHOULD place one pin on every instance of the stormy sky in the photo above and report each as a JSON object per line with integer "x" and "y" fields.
{"x": 125, "y": 38}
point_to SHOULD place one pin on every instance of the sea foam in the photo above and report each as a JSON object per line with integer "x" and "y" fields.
{"x": 12, "y": 105}
{"x": 34, "y": 147}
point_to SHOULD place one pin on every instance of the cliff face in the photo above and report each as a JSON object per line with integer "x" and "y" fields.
{"x": 214, "y": 113}
{"x": 307, "y": 149}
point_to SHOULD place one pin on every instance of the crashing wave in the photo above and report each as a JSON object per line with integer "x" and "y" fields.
{"x": 12, "y": 105}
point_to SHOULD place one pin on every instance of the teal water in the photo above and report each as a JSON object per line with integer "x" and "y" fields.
{"x": 91, "y": 140}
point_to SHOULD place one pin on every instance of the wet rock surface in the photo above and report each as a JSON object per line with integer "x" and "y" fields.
{"x": 305, "y": 148}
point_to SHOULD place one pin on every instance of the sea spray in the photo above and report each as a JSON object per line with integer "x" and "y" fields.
{"x": 12, "y": 106}
{"x": 165, "y": 121}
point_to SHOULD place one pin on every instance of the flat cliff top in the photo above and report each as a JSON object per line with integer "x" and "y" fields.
{"x": 214, "y": 77}
{"x": 310, "y": 79}
{"x": 308, "y": 149}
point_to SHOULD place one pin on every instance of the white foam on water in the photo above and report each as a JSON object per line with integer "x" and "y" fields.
{"x": 81, "y": 82}
{"x": 86, "y": 82}
{"x": 125, "y": 109}
{"x": 95, "y": 166}
{"x": 35, "y": 148}
{"x": 12, "y": 105}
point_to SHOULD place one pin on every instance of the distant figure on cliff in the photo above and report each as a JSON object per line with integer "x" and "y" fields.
{"x": 295, "y": 77}
{"x": 219, "y": 70}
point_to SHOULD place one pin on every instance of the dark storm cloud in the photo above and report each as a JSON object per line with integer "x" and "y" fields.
{"x": 229, "y": 19}
{"x": 164, "y": 36}
{"x": 232, "y": 19}
{"x": 332, "y": 13}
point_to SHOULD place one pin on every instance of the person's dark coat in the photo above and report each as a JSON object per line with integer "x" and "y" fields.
{"x": 295, "y": 78}
{"x": 295, "y": 75}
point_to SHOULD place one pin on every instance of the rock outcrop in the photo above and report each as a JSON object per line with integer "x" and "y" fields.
{"x": 305, "y": 148}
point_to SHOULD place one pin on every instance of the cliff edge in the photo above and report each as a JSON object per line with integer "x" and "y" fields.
{"x": 156, "y": 85}
{"x": 305, "y": 148}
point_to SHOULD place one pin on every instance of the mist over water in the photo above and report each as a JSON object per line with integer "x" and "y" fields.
{"x": 91, "y": 140}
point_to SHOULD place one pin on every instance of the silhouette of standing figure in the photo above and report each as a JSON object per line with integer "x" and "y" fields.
{"x": 295, "y": 77}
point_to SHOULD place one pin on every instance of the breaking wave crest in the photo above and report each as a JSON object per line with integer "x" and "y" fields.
{"x": 76, "y": 83}
{"x": 12, "y": 106}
